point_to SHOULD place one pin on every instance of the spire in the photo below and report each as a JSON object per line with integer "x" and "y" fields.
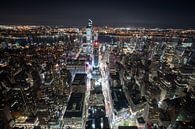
{"x": 90, "y": 23}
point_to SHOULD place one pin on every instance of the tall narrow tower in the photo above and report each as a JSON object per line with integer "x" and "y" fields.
{"x": 89, "y": 31}
{"x": 88, "y": 36}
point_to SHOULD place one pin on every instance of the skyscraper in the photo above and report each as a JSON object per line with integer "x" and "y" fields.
{"x": 88, "y": 39}
{"x": 89, "y": 31}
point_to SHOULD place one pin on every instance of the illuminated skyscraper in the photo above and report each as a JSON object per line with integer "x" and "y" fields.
{"x": 90, "y": 46}
{"x": 88, "y": 39}
{"x": 95, "y": 62}
{"x": 89, "y": 31}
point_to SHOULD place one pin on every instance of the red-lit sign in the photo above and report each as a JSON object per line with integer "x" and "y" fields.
{"x": 96, "y": 44}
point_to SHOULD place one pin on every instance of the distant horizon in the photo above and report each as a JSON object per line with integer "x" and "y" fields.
{"x": 147, "y": 26}
{"x": 138, "y": 13}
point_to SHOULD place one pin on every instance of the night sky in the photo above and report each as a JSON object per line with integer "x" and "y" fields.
{"x": 154, "y": 13}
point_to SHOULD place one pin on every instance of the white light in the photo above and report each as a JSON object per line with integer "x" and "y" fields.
{"x": 102, "y": 125}
{"x": 159, "y": 103}
{"x": 93, "y": 126}
{"x": 89, "y": 76}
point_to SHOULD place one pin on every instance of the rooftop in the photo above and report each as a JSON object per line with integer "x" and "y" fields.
{"x": 75, "y": 105}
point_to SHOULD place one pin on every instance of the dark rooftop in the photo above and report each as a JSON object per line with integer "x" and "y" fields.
{"x": 79, "y": 79}
{"x": 119, "y": 99}
{"x": 75, "y": 105}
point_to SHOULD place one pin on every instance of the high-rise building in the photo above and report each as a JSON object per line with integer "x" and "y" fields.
{"x": 95, "y": 55}
{"x": 88, "y": 38}
{"x": 89, "y": 31}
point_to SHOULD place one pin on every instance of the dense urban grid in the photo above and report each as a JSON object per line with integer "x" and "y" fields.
{"x": 96, "y": 78}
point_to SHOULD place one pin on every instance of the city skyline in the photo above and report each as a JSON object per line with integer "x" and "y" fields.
{"x": 96, "y": 78}
{"x": 97, "y": 64}
{"x": 162, "y": 14}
